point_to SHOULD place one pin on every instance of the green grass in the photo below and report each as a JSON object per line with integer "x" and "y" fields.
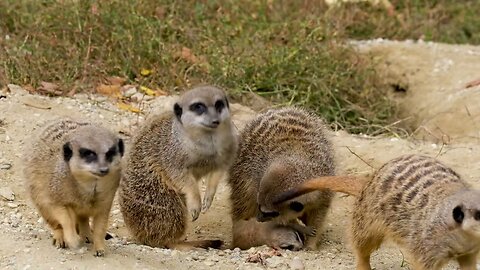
{"x": 290, "y": 52}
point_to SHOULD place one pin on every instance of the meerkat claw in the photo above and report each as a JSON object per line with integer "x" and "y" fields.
{"x": 207, "y": 202}
{"x": 99, "y": 253}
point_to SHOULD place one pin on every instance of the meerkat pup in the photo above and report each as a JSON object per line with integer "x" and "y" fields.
{"x": 169, "y": 155}
{"x": 416, "y": 201}
{"x": 278, "y": 150}
{"x": 72, "y": 171}
{"x": 253, "y": 233}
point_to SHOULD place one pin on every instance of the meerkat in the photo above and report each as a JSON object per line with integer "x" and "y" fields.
{"x": 169, "y": 155}
{"x": 420, "y": 203}
{"x": 278, "y": 150}
{"x": 72, "y": 171}
{"x": 253, "y": 233}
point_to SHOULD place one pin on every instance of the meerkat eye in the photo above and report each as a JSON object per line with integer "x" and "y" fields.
{"x": 219, "y": 105}
{"x": 198, "y": 107}
{"x": 87, "y": 154}
{"x": 458, "y": 214}
{"x": 111, "y": 153}
{"x": 477, "y": 215}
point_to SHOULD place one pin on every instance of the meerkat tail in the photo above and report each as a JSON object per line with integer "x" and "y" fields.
{"x": 351, "y": 185}
{"x": 188, "y": 245}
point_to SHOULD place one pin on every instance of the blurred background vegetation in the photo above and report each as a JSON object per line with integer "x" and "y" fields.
{"x": 289, "y": 52}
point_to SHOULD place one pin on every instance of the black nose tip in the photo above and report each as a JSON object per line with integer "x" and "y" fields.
{"x": 215, "y": 123}
{"x": 104, "y": 171}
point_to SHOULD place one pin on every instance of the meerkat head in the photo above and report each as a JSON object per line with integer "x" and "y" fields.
{"x": 465, "y": 213}
{"x": 93, "y": 152}
{"x": 275, "y": 181}
{"x": 203, "y": 108}
{"x": 285, "y": 237}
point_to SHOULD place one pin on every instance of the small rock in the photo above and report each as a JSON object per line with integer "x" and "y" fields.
{"x": 209, "y": 263}
{"x": 116, "y": 211}
{"x": 130, "y": 92}
{"x": 274, "y": 262}
{"x": 7, "y": 193}
{"x": 297, "y": 264}
{"x": 12, "y": 205}
{"x": 5, "y": 166}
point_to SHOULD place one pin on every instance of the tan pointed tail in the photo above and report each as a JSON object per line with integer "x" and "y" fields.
{"x": 351, "y": 185}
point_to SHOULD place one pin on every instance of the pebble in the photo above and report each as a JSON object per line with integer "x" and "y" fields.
{"x": 7, "y": 193}
{"x": 297, "y": 264}
{"x": 274, "y": 262}
{"x": 209, "y": 263}
{"x": 12, "y": 205}
{"x": 5, "y": 166}
{"x": 116, "y": 211}
{"x": 130, "y": 92}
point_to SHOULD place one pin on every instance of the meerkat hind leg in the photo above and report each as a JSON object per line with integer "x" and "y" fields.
{"x": 212, "y": 183}
{"x": 192, "y": 196}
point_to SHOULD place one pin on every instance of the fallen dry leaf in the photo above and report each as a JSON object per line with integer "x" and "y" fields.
{"x": 472, "y": 83}
{"x": 262, "y": 256}
{"x": 109, "y": 90}
{"x": 49, "y": 88}
{"x": 35, "y": 102}
{"x": 150, "y": 92}
{"x": 187, "y": 55}
{"x": 116, "y": 80}
{"x": 128, "y": 107}
{"x": 145, "y": 72}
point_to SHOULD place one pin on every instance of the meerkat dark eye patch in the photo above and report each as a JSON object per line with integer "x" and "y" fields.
{"x": 87, "y": 155}
{"x": 198, "y": 108}
{"x": 67, "y": 152}
{"x": 219, "y": 105}
{"x": 178, "y": 111}
{"x": 121, "y": 147}
{"x": 476, "y": 216}
{"x": 111, "y": 153}
{"x": 458, "y": 214}
{"x": 296, "y": 206}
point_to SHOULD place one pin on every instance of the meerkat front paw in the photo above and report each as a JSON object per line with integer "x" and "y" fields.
{"x": 58, "y": 241}
{"x": 207, "y": 202}
{"x": 309, "y": 231}
{"x": 99, "y": 253}
{"x": 194, "y": 211}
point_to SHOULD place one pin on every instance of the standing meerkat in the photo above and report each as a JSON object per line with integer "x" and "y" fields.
{"x": 278, "y": 150}
{"x": 169, "y": 155}
{"x": 416, "y": 201}
{"x": 72, "y": 171}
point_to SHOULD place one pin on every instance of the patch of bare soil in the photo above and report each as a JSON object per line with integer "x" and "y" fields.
{"x": 26, "y": 242}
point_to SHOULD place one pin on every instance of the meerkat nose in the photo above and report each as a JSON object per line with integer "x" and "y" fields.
{"x": 103, "y": 171}
{"x": 215, "y": 123}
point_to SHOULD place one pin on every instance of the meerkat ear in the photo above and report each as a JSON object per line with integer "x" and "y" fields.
{"x": 178, "y": 112}
{"x": 458, "y": 214}
{"x": 296, "y": 206}
{"x": 121, "y": 147}
{"x": 67, "y": 151}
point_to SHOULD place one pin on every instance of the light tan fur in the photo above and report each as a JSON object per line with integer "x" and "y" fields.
{"x": 251, "y": 233}
{"x": 278, "y": 150}
{"x": 67, "y": 193}
{"x": 419, "y": 203}
{"x": 169, "y": 155}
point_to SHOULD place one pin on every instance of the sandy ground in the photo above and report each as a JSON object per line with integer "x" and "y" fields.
{"x": 25, "y": 241}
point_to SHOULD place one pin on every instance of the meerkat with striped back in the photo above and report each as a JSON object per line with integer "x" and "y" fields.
{"x": 278, "y": 150}
{"x": 418, "y": 202}
{"x": 72, "y": 171}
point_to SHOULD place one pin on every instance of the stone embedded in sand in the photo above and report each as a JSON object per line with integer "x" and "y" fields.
{"x": 7, "y": 194}
{"x": 5, "y": 166}
{"x": 297, "y": 264}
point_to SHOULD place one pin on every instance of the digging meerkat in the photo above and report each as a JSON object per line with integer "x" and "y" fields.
{"x": 278, "y": 150}
{"x": 72, "y": 171}
{"x": 167, "y": 158}
{"x": 421, "y": 204}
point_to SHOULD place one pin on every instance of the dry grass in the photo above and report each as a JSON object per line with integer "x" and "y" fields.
{"x": 291, "y": 52}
